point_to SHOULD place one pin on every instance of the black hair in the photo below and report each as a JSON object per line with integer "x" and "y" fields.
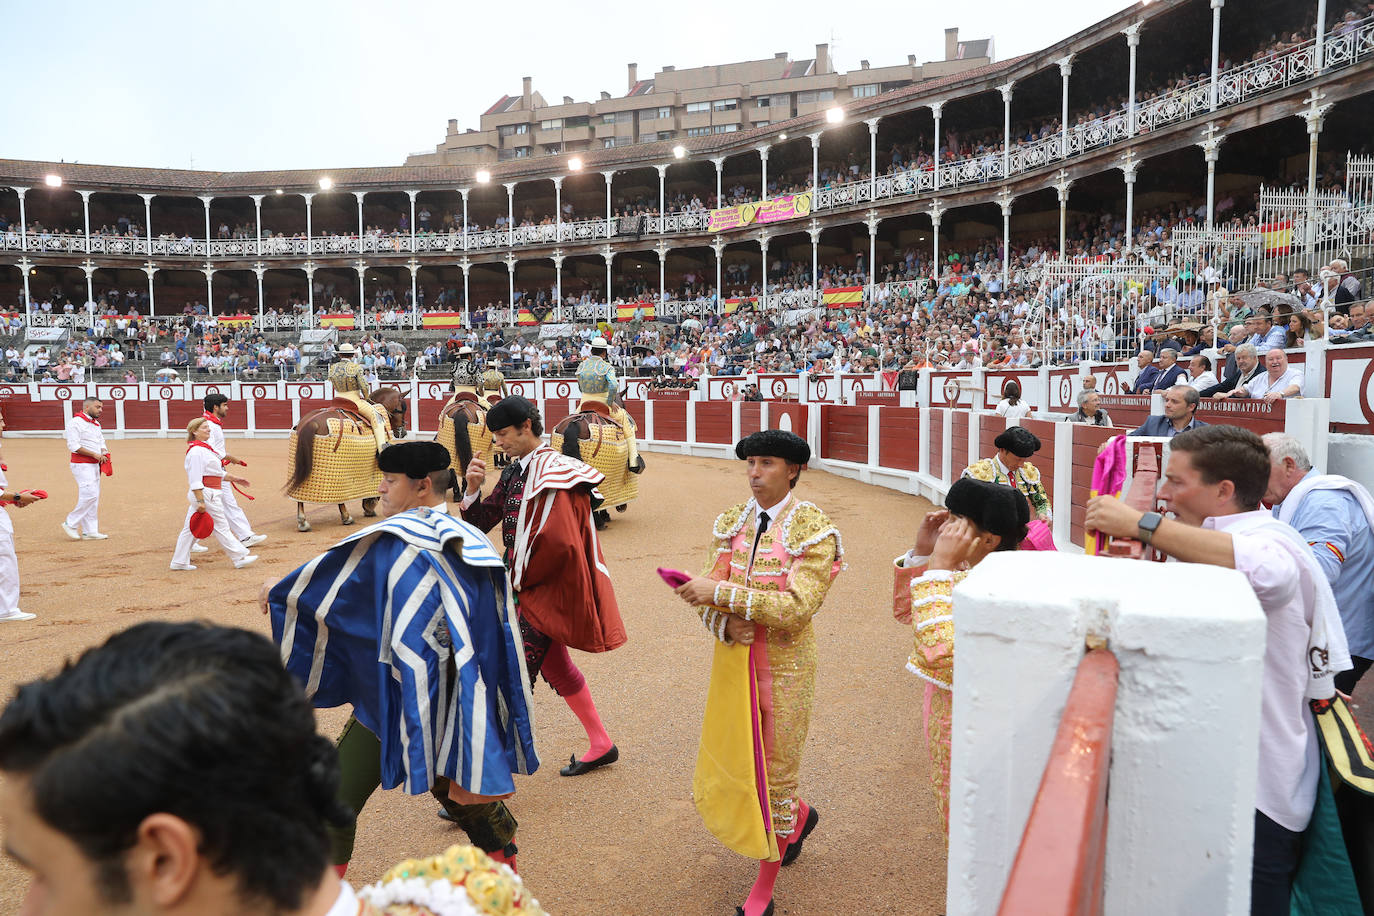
{"x": 214, "y": 399}
{"x": 1012, "y": 392}
{"x": 514, "y": 411}
{"x": 1228, "y": 453}
{"x": 198, "y": 721}
{"x": 1206, "y": 362}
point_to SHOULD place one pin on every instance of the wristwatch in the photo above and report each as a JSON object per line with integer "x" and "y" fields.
{"x": 1148, "y": 524}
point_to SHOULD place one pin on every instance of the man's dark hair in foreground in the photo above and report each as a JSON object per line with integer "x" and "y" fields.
{"x": 182, "y": 730}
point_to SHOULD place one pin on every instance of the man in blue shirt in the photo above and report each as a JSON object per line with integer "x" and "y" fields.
{"x": 1263, "y": 334}
{"x": 1180, "y": 409}
{"x": 1333, "y": 514}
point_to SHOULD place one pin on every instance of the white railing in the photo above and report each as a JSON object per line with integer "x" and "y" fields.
{"x": 1342, "y": 48}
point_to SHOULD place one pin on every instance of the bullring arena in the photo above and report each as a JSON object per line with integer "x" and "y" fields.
{"x": 898, "y": 263}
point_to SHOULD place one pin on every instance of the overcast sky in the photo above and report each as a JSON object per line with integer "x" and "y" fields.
{"x": 280, "y": 84}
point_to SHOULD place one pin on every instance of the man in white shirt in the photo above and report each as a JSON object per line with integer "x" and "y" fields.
{"x": 216, "y": 409}
{"x": 1214, "y": 481}
{"x": 86, "y": 443}
{"x": 1200, "y": 371}
{"x": 1276, "y": 382}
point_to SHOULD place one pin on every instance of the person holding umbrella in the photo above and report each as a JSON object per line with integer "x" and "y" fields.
{"x": 204, "y": 476}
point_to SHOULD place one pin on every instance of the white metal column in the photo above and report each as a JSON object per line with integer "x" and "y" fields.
{"x": 1216, "y": 51}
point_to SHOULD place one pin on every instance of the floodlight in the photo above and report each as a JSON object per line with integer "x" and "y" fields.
{"x": 326, "y": 183}
{"x": 575, "y": 164}
{"x": 679, "y": 151}
{"x": 835, "y": 115}
{"x": 482, "y": 176}
{"x": 53, "y": 181}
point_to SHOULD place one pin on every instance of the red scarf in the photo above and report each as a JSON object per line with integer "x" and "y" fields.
{"x": 212, "y": 418}
{"x": 82, "y": 415}
{"x": 202, "y": 445}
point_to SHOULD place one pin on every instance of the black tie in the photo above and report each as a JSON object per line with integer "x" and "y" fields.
{"x": 763, "y": 526}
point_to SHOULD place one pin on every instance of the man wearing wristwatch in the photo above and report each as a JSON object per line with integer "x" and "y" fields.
{"x": 1213, "y": 483}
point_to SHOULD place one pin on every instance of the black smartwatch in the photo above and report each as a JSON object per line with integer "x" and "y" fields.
{"x": 1148, "y": 525}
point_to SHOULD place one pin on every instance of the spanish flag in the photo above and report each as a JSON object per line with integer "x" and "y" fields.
{"x": 234, "y": 321}
{"x": 1278, "y": 238}
{"x": 343, "y": 320}
{"x": 526, "y": 318}
{"x": 843, "y": 297}
{"x": 626, "y": 311}
{"x": 442, "y": 320}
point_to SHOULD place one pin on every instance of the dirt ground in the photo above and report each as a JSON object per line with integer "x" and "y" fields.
{"x": 622, "y": 840}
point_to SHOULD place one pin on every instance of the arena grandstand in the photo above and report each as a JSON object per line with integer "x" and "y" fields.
{"x": 1042, "y": 210}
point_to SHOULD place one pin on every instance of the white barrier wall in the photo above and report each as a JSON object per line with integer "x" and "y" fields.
{"x": 1185, "y": 741}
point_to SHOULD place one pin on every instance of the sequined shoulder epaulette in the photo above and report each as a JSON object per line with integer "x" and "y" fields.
{"x": 982, "y": 470}
{"x": 1030, "y": 472}
{"x": 805, "y": 526}
{"x": 729, "y": 522}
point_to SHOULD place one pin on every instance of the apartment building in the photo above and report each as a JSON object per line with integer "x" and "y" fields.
{"x": 718, "y": 99}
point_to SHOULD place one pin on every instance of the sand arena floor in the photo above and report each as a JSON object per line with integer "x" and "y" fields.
{"x": 621, "y": 840}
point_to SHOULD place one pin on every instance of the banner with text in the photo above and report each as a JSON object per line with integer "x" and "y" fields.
{"x": 774, "y": 210}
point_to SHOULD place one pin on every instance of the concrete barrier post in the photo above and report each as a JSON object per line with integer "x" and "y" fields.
{"x": 1185, "y": 740}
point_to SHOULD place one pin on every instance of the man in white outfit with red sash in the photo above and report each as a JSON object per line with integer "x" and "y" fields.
{"x": 216, "y": 409}
{"x": 86, "y": 443}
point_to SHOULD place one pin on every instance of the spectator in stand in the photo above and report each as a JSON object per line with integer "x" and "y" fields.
{"x": 1347, "y": 280}
{"x": 1089, "y": 410}
{"x": 1012, "y": 406}
{"x": 1145, "y": 378}
{"x": 1180, "y": 414}
{"x": 1200, "y": 373}
{"x": 1247, "y": 367}
{"x": 1335, "y": 516}
{"x": 1214, "y": 482}
{"x": 1170, "y": 372}
{"x": 1278, "y": 381}
{"x": 1263, "y": 334}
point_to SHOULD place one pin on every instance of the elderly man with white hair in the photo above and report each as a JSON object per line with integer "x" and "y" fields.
{"x": 1348, "y": 281}
{"x": 1335, "y": 515}
{"x": 1170, "y": 372}
{"x": 1279, "y": 380}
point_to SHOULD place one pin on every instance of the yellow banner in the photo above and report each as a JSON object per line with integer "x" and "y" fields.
{"x": 774, "y": 210}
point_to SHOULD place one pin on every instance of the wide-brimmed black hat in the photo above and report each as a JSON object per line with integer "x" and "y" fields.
{"x": 995, "y": 508}
{"x": 1018, "y": 440}
{"x": 413, "y": 459}
{"x": 776, "y": 443}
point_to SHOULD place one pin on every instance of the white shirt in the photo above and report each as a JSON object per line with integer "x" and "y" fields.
{"x": 201, "y": 463}
{"x": 84, "y": 433}
{"x": 1205, "y": 380}
{"x": 1011, "y": 411}
{"x": 347, "y": 903}
{"x": 1288, "y": 743}
{"x": 217, "y": 438}
{"x": 1260, "y": 385}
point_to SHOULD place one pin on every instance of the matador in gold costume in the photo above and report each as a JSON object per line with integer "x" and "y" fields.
{"x": 772, "y": 561}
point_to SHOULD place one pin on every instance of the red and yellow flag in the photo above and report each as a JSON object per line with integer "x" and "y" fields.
{"x": 626, "y": 310}
{"x": 1278, "y": 238}
{"x": 234, "y": 321}
{"x": 442, "y": 320}
{"x": 343, "y": 320}
{"x": 732, "y": 304}
{"x": 525, "y": 318}
{"x": 843, "y": 297}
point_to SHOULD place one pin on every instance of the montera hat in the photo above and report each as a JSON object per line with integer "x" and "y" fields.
{"x": 511, "y": 411}
{"x": 345, "y": 349}
{"x": 599, "y": 343}
{"x": 775, "y": 443}
{"x": 1018, "y": 440}
{"x": 413, "y": 459}
{"x": 995, "y": 508}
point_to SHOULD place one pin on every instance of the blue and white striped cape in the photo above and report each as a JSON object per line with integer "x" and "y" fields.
{"x": 376, "y": 620}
